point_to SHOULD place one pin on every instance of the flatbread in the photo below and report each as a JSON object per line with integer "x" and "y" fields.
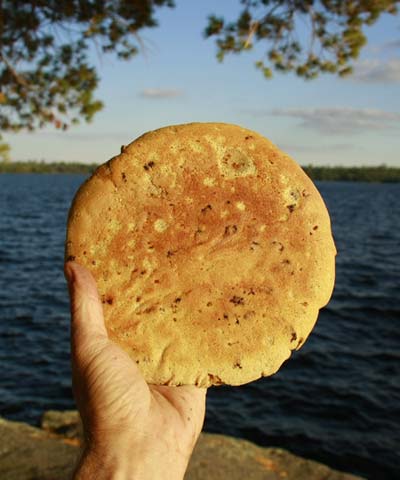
{"x": 212, "y": 251}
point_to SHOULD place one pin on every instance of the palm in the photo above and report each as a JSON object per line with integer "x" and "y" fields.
{"x": 112, "y": 393}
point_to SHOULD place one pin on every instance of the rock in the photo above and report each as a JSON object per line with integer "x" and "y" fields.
{"x": 50, "y": 453}
{"x": 65, "y": 423}
{"x": 28, "y": 453}
{"x": 218, "y": 457}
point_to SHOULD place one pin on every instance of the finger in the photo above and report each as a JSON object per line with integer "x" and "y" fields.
{"x": 87, "y": 321}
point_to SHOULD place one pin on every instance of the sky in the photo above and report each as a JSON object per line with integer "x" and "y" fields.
{"x": 177, "y": 79}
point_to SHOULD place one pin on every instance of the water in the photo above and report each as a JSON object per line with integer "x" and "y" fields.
{"x": 337, "y": 400}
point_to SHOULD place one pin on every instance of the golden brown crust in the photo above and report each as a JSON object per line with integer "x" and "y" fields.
{"x": 212, "y": 251}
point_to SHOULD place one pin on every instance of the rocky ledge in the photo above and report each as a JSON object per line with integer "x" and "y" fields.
{"x": 50, "y": 453}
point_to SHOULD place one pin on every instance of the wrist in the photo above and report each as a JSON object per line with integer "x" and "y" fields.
{"x": 113, "y": 463}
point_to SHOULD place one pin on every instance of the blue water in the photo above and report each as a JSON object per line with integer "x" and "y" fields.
{"x": 337, "y": 400}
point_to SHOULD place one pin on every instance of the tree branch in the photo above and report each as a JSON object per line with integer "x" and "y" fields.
{"x": 19, "y": 78}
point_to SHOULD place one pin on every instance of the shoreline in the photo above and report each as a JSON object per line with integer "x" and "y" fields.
{"x": 52, "y": 450}
{"x": 373, "y": 174}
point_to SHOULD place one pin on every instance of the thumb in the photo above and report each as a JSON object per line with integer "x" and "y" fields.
{"x": 87, "y": 321}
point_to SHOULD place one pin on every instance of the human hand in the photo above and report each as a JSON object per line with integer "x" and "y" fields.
{"x": 132, "y": 430}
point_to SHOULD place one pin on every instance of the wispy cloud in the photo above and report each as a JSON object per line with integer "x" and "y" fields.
{"x": 160, "y": 93}
{"x": 384, "y": 47}
{"x": 85, "y": 136}
{"x": 377, "y": 71}
{"x": 336, "y": 147}
{"x": 391, "y": 45}
{"x": 341, "y": 120}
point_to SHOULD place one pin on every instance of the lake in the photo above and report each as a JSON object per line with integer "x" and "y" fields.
{"x": 337, "y": 400}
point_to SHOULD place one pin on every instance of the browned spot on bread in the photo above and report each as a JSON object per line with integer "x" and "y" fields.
{"x": 230, "y": 230}
{"x": 107, "y": 299}
{"x": 236, "y": 300}
{"x": 214, "y": 379}
{"x": 206, "y": 208}
{"x": 149, "y": 165}
{"x": 278, "y": 245}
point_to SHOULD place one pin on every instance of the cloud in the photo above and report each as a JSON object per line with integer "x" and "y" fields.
{"x": 337, "y": 147}
{"x": 83, "y": 136}
{"x": 391, "y": 45}
{"x": 340, "y": 120}
{"x": 384, "y": 47}
{"x": 160, "y": 93}
{"x": 377, "y": 71}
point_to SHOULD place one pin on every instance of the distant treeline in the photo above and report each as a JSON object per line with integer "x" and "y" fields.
{"x": 381, "y": 173}
{"x": 33, "y": 166}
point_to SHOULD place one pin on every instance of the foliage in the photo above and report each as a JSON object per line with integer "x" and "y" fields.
{"x": 32, "y": 166}
{"x": 380, "y": 173}
{"x": 46, "y": 76}
{"x": 334, "y": 33}
{"x": 4, "y": 151}
{"x": 45, "y": 73}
